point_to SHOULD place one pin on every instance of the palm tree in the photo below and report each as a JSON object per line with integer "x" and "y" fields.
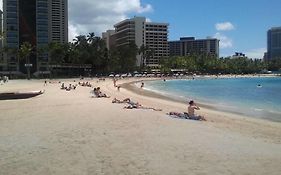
{"x": 145, "y": 53}
{"x": 80, "y": 40}
{"x": 91, "y": 37}
{"x": 24, "y": 53}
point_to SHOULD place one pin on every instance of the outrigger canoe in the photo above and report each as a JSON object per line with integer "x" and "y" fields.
{"x": 19, "y": 95}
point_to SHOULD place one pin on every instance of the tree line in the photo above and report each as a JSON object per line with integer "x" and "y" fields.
{"x": 213, "y": 65}
{"x": 91, "y": 49}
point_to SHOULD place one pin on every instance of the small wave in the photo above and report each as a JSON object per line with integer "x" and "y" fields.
{"x": 258, "y": 109}
{"x": 156, "y": 91}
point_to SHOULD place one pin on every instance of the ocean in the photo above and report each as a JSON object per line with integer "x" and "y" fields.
{"x": 258, "y": 97}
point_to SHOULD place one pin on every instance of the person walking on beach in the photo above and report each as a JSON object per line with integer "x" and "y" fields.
{"x": 191, "y": 112}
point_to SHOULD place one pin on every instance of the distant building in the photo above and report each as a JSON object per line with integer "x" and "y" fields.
{"x": 137, "y": 30}
{"x": 110, "y": 38}
{"x": 265, "y": 56}
{"x": 1, "y": 41}
{"x": 274, "y": 43}
{"x": 37, "y": 22}
{"x": 188, "y": 46}
{"x": 58, "y": 15}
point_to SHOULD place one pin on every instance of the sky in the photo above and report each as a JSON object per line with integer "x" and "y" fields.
{"x": 241, "y": 25}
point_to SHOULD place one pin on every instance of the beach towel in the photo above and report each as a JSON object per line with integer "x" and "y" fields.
{"x": 178, "y": 115}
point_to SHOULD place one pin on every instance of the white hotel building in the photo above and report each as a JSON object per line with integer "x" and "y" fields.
{"x": 139, "y": 31}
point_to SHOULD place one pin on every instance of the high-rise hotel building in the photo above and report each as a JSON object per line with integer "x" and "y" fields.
{"x": 189, "y": 45}
{"x": 274, "y": 43}
{"x": 37, "y": 22}
{"x": 137, "y": 30}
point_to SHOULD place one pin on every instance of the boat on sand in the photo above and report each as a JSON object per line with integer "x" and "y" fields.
{"x": 19, "y": 95}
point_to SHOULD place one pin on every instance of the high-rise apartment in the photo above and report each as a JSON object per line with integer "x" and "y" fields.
{"x": 151, "y": 34}
{"x": 274, "y": 43}
{"x": 59, "y": 20}
{"x": 1, "y": 41}
{"x": 37, "y": 22}
{"x": 109, "y": 38}
{"x": 188, "y": 45}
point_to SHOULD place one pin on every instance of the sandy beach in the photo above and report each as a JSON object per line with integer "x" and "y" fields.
{"x": 69, "y": 132}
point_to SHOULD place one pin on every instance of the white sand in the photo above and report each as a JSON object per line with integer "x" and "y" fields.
{"x": 68, "y": 133}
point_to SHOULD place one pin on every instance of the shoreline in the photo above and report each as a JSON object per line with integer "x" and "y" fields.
{"x": 259, "y": 127}
{"x": 131, "y": 86}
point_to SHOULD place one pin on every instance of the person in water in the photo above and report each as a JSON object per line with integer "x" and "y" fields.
{"x": 191, "y": 112}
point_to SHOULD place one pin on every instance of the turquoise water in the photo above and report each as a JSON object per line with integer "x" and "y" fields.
{"x": 238, "y": 95}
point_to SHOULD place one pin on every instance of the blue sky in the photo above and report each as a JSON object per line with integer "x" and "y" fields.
{"x": 241, "y": 25}
{"x": 248, "y": 21}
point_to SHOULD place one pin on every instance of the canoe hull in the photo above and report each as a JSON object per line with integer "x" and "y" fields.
{"x": 19, "y": 95}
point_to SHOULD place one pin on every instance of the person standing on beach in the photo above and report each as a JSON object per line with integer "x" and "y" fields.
{"x": 142, "y": 84}
{"x": 191, "y": 112}
{"x": 114, "y": 82}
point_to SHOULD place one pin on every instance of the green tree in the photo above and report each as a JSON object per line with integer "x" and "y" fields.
{"x": 57, "y": 52}
{"x": 24, "y": 52}
{"x": 274, "y": 65}
{"x": 146, "y": 53}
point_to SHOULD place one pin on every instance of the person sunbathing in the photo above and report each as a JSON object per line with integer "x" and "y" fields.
{"x": 62, "y": 86}
{"x": 99, "y": 94}
{"x": 132, "y": 104}
{"x": 191, "y": 112}
{"x": 126, "y": 100}
{"x": 139, "y": 106}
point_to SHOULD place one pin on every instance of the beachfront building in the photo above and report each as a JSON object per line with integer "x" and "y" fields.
{"x": 138, "y": 30}
{"x": 109, "y": 38}
{"x": 189, "y": 45}
{"x": 274, "y": 43}
{"x": 1, "y": 41}
{"x": 37, "y": 22}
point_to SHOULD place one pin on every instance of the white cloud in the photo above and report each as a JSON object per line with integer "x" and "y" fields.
{"x": 256, "y": 53}
{"x": 72, "y": 32}
{"x": 97, "y": 16}
{"x": 225, "y": 42}
{"x": 224, "y": 26}
{"x": 148, "y": 20}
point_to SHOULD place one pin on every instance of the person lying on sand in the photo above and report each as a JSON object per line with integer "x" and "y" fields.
{"x": 139, "y": 106}
{"x": 126, "y": 100}
{"x": 132, "y": 104}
